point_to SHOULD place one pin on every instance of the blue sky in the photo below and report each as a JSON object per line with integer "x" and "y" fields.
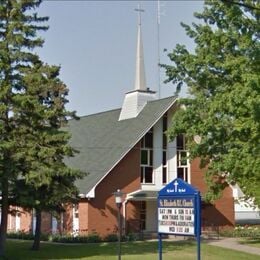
{"x": 94, "y": 42}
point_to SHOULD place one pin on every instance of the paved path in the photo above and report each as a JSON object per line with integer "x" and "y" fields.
{"x": 232, "y": 243}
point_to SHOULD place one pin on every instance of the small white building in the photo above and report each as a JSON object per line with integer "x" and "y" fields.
{"x": 246, "y": 212}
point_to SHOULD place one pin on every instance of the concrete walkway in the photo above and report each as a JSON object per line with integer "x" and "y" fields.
{"x": 233, "y": 243}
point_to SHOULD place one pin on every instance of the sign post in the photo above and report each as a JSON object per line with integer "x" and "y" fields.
{"x": 179, "y": 212}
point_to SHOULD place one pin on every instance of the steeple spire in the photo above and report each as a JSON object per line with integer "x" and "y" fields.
{"x": 140, "y": 83}
{"x": 136, "y": 100}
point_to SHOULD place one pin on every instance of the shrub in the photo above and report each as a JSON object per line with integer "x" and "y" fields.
{"x": 252, "y": 232}
{"x": 132, "y": 237}
{"x": 25, "y": 236}
{"x": 111, "y": 238}
{"x": 20, "y": 235}
{"x": 93, "y": 238}
{"x": 114, "y": 237}
{"x": 71, "y": 238}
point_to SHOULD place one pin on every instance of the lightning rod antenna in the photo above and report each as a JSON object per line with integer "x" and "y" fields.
{"x": 158, "y": 47}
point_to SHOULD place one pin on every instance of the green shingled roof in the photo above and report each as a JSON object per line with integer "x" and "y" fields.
{"x": 102, "y": 140}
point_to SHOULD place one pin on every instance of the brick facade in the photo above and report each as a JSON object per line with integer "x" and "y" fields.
{"x": 26, "y": 221}
{"x": 83, "y": 216}
{"x": 133, "y": 217}
{"x": 65, "y": 223}
{"x": 220, "y": 214}
{"x": 102, "y": 211}
{"x": 99, "y": 215}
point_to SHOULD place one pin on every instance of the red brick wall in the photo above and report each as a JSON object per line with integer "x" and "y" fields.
{"x": 133, "y": 217}
{"x": 197, "y": 176}
{"x": 68, "y": 219}
{"x": 26, "y": 220}
{"x": 221, "y": 212}
{"x": 99, "y": 215}
{"x": 102, "y": 213}
{"x": 46, "y": 223}
{"x": 83, "y": 216}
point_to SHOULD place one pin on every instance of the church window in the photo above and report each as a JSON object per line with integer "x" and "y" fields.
{"x": 147, "y": 158}
{"x": 182, "y": 158}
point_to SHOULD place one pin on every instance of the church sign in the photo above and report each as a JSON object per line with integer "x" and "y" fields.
{"x": 179, "y": 212}
{"x": 176, "y": 216}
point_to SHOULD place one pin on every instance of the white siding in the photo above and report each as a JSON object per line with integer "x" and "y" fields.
{"x": 172, "y": 162}
{"x": 54, "y": 225}
{"x": 17, "y": 221}
{"x": 151, "y": 217}
{"x": 75, "y": 220}
{"x": 171, "y": 153}
{"x": 246, "y": 212}
{"x": 134, "y": 102}
{"x": 157, "y": 142}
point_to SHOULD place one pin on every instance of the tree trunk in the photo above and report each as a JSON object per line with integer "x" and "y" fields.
{"x": 4, "y": 216}
{"x": 37, "y": 235}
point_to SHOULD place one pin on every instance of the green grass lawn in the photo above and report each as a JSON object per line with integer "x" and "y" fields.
{"x": 177, "y": 250}
{"x": 250, "y": 242}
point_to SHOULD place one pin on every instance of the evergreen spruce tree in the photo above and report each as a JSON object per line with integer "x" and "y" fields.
{"x": 47, "y": 182}
{"x": 32, "y": 109}
{"x": 222, "y": 75}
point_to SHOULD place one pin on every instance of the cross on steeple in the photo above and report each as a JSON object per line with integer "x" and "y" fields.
{"x": 136, "y": 100}
{"x": 139, "y": 15}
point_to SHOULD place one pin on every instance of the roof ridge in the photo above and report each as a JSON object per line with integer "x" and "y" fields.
{"x": 156, "y": 100}
{"x": 111, "y": 110}
{"x": 98, "y": 113}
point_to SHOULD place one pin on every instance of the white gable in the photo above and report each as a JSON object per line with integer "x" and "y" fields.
{"x": 134, "y": 102}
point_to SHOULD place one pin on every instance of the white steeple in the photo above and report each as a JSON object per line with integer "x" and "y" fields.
{"x": 140, "y": 83}
{"x": 135, "y": 100}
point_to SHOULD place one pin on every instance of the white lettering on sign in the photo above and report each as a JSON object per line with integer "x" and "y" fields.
{"x": 176, "y": 216}
{"x": 176, "y": 203}
{"x": 176, "y": 189}
{"x": 182, "y": 190}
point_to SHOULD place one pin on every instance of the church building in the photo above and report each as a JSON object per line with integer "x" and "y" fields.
{"x": 127, "y": 149}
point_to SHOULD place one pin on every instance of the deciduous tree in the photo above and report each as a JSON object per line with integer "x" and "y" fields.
{"x": 222, "y": 75}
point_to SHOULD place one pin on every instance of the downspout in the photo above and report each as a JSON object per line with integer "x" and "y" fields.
{"x": 124, "y": 217}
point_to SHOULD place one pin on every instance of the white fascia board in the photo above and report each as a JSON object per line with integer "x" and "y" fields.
{"x": 129, "y": 195}
{"x": 91, "y": 193}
